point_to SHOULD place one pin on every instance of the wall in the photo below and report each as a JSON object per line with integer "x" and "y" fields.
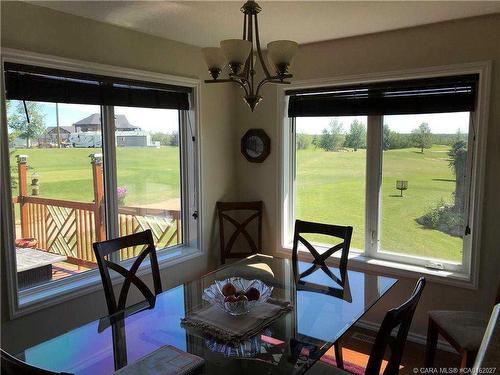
{"x": 32, "y": 28}
{"x": 461, "y": 41}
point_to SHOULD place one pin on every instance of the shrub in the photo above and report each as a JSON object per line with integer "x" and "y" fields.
{"x": 445, "y": 218}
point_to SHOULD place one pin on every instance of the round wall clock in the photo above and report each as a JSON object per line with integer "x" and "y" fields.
{"x": 256, "y": 145}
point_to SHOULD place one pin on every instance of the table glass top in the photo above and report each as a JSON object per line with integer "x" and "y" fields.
{"x": 323, "y": 309}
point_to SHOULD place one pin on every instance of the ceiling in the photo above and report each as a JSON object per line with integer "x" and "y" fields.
{"x": 205, "y": 23}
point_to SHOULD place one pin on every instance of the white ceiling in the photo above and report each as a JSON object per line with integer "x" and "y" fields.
{"x": 205, "y": 23}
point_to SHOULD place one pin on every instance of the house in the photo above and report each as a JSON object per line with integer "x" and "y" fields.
{"x": 372, "y": 96}
{"x": 51, "y": 134}
{"x": 93, "y": 123}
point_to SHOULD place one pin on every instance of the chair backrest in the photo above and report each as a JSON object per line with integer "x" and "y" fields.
{"x": 399, "y": 318}
{"x": 13, "y": 366}
{"x": 338, "y": 231}
{"x": 255, "y": 209}
{"x": 106, "y": 248}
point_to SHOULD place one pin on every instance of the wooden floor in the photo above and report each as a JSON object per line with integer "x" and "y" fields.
{"x": 63, "y": 269}
{"x": 357, "y": 346}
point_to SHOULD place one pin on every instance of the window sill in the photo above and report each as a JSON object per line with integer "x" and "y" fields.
{"x": 361, "y": 262}
{"x": 51, "y": 294}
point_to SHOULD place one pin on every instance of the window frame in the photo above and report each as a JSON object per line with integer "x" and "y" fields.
{"x": 39, "y": 297}
{"x": 465, "y": 274}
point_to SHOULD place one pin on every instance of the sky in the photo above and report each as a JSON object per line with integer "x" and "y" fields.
{"x": 165, "y": 120}
{"x": 440, "y": 123}
{"x": 151, "y": 120}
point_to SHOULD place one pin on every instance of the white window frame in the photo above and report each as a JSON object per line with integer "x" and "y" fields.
{"x": 464, "y": 274}
{"x": 43, "y": 296}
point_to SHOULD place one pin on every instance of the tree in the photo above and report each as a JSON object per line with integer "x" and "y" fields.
{"x": 422, "y": 136}
{"x": 458, "y": 162}
{"x": 356, "y": 138}
{"x": 332, "y": 139}
{"x": 303, "y": 141}
{"x": 174, "y": 139}
{"x": 18, "y": 121}
{"x": 163, "y": 138}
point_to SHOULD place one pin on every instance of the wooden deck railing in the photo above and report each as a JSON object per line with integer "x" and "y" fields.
{"x": 70, "y": 227}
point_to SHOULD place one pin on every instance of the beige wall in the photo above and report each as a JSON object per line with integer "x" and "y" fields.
{"x": 224, "y": 120}
{"x": 41, "y": 30}
{"x": 467, "y": 40}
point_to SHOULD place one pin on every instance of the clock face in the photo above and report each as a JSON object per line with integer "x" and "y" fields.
{"x": 254, "y": 146}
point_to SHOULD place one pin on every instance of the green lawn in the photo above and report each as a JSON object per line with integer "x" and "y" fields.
{"x": 149, "y": 174}
{"x": 331, "y": 189}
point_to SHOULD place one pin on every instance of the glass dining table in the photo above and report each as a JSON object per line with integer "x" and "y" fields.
{"x": 325, "y": 306}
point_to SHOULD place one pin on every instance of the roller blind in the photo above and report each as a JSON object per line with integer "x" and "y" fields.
{"x": 429, "y": 95}
{"x": 27, "y": 82}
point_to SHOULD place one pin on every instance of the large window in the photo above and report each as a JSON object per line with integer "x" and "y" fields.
{"x": 330, "y": 171}
{"x": 397, "y": 161}
{"x": 93, "y": 157}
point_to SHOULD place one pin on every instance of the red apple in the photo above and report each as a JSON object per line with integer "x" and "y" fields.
{"x": 228, "y": 290}
{"x": 231, "y": 298}
{"x": 253, "y": 294}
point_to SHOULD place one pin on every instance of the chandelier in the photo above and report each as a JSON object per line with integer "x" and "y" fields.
{"x": 240, "y": 56}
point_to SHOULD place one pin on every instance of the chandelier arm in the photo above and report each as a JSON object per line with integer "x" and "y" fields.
{"x": 259, "y": 51}
{"x": 240, "y": 82}
{"x": 248, "y": 31}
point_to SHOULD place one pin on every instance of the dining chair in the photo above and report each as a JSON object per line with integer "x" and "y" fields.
{"x": 463, "y": 330}
{"x": 397, "y": 321}
{"x": 106, "y": 248}
{"x": 12, "y": 366}
{"x": 252, "y": 211}
{"x": 344, "y": 233}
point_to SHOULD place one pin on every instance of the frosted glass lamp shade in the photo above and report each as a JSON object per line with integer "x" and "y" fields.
{"x": 236, "y": 50}
{"x": 281, "y": 53}
{"x": 213, "y": 57}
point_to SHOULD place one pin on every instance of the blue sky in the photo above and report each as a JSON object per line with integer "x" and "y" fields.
{"x": 165, "y": 120}
{"x": 153, "y": 120}
{"x": 441, "y": 123}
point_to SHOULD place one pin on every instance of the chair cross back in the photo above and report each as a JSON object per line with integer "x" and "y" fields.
{"x": 399, "y": 318}
{"x": 105, "y": 248}
{"x": 338, "y": 231}
{"x": 240, "y": 227}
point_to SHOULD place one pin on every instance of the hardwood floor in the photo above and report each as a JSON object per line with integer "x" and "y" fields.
{"x": 357, "y": 346}
{"x": 64, "y": 269}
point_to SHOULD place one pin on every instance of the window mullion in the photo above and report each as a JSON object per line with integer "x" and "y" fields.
{"x": 110, "y": 177}
{"x": 373, "y": 183}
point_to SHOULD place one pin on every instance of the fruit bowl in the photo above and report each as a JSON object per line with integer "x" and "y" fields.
{"x": 237, "y": 305}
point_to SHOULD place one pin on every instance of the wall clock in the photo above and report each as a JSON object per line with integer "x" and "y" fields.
{"x": 256, "y": 145}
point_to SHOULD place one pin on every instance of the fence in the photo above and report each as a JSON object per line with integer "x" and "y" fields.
{"x": 70, "y": 227}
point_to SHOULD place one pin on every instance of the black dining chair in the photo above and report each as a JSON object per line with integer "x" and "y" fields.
{"x": 254, "y": 210}
{"x": 105, "y": 248}
{"x": 12, "y": 366}
{"x": 397, "y": 321}
{"x": 344, "y": 233}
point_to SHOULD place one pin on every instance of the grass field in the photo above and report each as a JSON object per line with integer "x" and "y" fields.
{"x": 150, "y": 175}
{"x": 331, "y": 189}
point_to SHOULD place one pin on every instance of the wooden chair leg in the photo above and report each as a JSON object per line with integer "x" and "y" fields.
{"x": 432, "y": 338}
{"x": 468, "y": 358}
{"x": 338, "y": 355}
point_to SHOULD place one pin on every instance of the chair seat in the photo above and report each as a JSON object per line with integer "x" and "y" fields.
{"x": 322, "y": 368}
{"x": 465, "y": 327}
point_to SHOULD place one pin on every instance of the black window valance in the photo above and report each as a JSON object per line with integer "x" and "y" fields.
{"x": 33, "y": 83}
{"x": 429, "y": 95}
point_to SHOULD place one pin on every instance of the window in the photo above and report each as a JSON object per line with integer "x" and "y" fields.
{"x": 94, "y": 157}
{"x": 397, "y": 160}
{"x": 330, "y": 170}
{"x": 149, "y": 174}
